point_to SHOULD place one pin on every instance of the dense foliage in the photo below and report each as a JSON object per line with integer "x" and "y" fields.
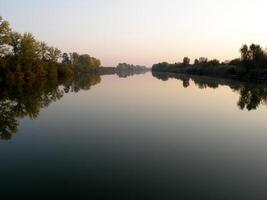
{"x": 251, "y": 65}
{"x": 124, "y": 70}
{"x": 129, "y": 67}
{"x": 24, "y": 57}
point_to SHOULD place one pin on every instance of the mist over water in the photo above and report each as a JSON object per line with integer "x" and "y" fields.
{"x": 153, "y": 136}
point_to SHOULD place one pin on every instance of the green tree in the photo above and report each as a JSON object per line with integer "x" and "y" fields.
{"x": 29, "y": 49}
{"x": 43, "y": 50}
{"x": 74, "y": 57}
{"x": 94, "y": 63}
{"x": 4, "y": 36}
{"x": 15, "y": 42}
{"x": 53, "y": 54}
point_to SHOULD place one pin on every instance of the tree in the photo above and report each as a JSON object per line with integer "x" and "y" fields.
{"x": 244, "y": 53}
{"x": 235, "y": 62}
{"x": 84, "y": 62}
{"x": 66, "y": 59}
{"x": 15, "y": 42}
{"x": 43, "y": 50}
{"x": 95, "y": 63}
{"x": 203, "y": 60}
{"x": 253, "y": 56}
{"x": 4, "y": 36}
{"x": 186, "y": 61}
{"x": 53, "y": 54}
{"x": 29, "y": 49}
{"x": 24, "y": 57}
{"x": 257, "y": 55}
{"x": 74, "y": 58}
{"x": 214, "y": 62}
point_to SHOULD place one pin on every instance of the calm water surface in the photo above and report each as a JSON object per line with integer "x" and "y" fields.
{"x": 141, "y": 137}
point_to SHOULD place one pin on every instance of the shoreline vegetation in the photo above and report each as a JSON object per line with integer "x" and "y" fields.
{"x": 123, "y": 70}
{"x": 251, "y": 66}
{"x": 23, "y": 59}
{"x": 33, "y": 75}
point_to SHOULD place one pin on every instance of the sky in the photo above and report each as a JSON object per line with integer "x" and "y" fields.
{"x": 142, "y": 31}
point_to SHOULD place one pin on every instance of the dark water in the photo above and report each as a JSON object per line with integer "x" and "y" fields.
{"x": 141, "y": 137}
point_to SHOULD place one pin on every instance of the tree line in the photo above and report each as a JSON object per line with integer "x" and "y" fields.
{"x": 252, "y": 64}
{"x": 22, "y": 56}
{"x": 251, "y": 95}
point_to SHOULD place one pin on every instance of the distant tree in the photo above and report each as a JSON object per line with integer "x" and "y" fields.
{"x": 84, "y": 61}
{"x": 255, "y": 52}
{"x": 203, "y": 60}
{"x": 74, "y": 58}
{"x": 253, "y": 56}
{"x": 160, "y": 67}
{"x": 53, "y": 54}
{"x": 235, "y": 62}
{"x": 66, "y": 59}
{"x": 244, "y": 53}
{"x": 95, "y": 63}
{"x": 196, "y": 62}
{"x": 214, "y": 62}
{"x": 186, "y": 61}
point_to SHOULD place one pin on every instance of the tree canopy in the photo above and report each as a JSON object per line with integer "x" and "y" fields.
{"x": 23, "y": 56}
{"x": 4, "y": 36}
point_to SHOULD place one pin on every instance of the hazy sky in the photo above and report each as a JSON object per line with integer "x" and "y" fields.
{"x": 142, "y": 31}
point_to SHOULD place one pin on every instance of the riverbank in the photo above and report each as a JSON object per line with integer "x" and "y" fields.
{"x": 223, "y": 71}
{"x": 252, "y": 65}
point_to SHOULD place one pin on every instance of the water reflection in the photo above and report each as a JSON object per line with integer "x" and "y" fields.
{"x": 127, "y": 73}
{"x": 26, "y": 99}
{"x": 252, "y": 95}
{"x": 122, "y": 73}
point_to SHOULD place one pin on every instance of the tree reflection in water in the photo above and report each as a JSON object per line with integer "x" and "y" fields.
{"x": 252, "y": 95}
{"x": 26, "y": 99}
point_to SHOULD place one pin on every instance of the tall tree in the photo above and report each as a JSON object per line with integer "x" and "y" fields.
{"x": 53, "y": 54}
{"x": 66, "y": 59}
{"x": 15, "y": 42}
{"x": 43, "y": 50}
{"x": 29, "y": 49}
{"x": 186, "y": 61}
{"x": 4, "y": 36}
